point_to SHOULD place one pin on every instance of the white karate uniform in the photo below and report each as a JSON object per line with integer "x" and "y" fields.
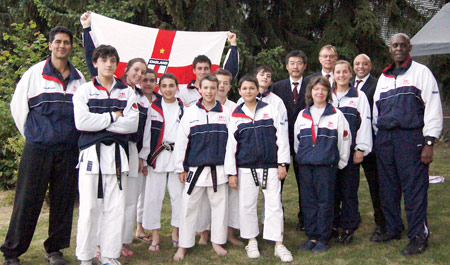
{"x": 233, "y": 195}
{"x": 248, "y": 202}
{"x": 209, "y": 137}
{"x": 101, "y": 221}
{"x": 136, "y": 180}
{"x": 241, "y": 122}
{"x": 163, "y": 174}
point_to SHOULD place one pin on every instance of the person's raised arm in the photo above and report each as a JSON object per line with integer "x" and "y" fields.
{"x": 231, "y": 62}
{"x": 88, "y": 43}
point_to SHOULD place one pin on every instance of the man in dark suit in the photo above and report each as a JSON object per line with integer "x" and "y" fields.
{"x": 367, "y": 83}
{"x": 327, "y": 57}
{"x": 292, "y": 92}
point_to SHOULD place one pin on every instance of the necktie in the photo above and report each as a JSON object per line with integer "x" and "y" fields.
{"x": 328, "y": 77}
{"x": 357, "y": 83}
{"x": 295, "y": 92}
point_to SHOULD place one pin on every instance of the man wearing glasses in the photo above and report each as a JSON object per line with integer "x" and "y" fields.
{"x": 327, "y": 58}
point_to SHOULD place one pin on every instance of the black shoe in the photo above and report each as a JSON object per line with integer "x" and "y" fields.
{"x": 320, "y": 247}
{"x": 56, "y": 258}
{"x": 417, "y": 245}
{"x": 300, "y": 227}
{"x": 346, "y": 236}
{"x": 14, "y": 261}
{"x": 376, "y": 235}
{"x": 385, "y": 237}
{"x": 334, "y": 233}
{"x": 308, "y": 245}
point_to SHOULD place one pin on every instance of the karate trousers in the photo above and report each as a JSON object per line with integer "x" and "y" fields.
{"x": 133, "y": 191}
{"x": 108, "y": 230}
{"x": 155, "y": 189}
{"x": 192, "y": 206}
{"x": 248, "y": 202}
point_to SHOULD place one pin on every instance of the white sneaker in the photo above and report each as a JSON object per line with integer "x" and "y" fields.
{"x": 283, "y": 253}
{"x": 108, "y": 261}
{"x": 252, "y": 249}
{"x": 86, "y": 262}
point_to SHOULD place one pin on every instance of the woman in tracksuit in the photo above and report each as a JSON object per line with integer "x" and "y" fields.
{"x": 322, "y": 145}
{"x": 356, "y": 109}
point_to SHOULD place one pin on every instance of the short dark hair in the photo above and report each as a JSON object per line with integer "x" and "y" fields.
{"x": 151, "y": 71}
{"x": 168, "y": 76}
{"x": 312, "y": 83}
{"x": 264, "y": 69}
{"x": 297, "y": 53}
{"x": 104, "y": 51}
{"x": 58, "y": 30}
{"x": 209, "y": 77}
{"x": 225, "y": 72}
{"x": 248, "y": 78}
{"x": 201, "y": 59}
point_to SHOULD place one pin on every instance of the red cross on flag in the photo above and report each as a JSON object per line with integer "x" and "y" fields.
{"x": 165, "y": 51}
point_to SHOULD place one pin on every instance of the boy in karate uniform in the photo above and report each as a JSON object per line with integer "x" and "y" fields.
{"x": 199, "y": 158}
{"x": 257, "y": 155}
{"x": 105, "y": 112}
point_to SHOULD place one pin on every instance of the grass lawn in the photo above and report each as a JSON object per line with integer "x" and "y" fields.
{"x": 361, "y": 251}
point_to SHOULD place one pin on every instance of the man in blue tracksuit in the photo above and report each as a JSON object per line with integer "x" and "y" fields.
{"x": 43, "y": 112}
{"x": 407, "y": 114}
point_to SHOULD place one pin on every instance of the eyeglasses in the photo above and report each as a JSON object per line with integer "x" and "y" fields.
{"x": 328, "y": 56}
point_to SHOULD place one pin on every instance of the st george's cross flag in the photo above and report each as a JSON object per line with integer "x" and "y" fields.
{"x": 165, "y": 51}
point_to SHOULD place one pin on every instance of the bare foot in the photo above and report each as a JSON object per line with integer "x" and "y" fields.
{"x": 219, "y": 249}
{"x": 175, "y": 237}
{"x": 154, "y": 247}
{"x": 180, "y": 254}
{"x": 204, "y": 236}
{"x": 233, "y": 239}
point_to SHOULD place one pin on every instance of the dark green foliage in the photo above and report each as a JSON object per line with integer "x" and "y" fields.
{"x": 267, "y": 30}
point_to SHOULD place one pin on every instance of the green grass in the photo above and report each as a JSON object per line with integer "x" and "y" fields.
{"x": 361, "y": 251}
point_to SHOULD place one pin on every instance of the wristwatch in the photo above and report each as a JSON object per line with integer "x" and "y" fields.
{"x": 282, "y": 165}
{"x": 429, "y": 142}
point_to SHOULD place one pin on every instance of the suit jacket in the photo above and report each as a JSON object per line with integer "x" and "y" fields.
{"x": 283, "y": 89}
{"x": 369, "y": 89}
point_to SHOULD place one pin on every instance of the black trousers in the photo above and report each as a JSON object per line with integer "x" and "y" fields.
{"x": 369, "y": 165}
{"x": 38, "y": 170}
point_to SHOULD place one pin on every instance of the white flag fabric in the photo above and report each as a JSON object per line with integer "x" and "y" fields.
{"x": 165, "y": 51}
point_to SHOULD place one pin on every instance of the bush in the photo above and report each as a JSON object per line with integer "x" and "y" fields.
{"x": 25, "y": 46}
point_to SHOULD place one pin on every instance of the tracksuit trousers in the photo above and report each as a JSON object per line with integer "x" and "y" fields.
{"x": 401, "y": 170}
{"x": 318, "y": 194}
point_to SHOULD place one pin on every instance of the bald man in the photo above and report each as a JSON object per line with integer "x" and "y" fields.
{"x": 365, "y": 82}
{"x": 407, "y": 114}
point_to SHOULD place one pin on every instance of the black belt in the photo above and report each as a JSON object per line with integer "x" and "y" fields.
{"x": 118, "y": 167}
{"x": 255, "y": 177}
{"x": 164, "y": 146}
{"x": 193, "y": 179}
